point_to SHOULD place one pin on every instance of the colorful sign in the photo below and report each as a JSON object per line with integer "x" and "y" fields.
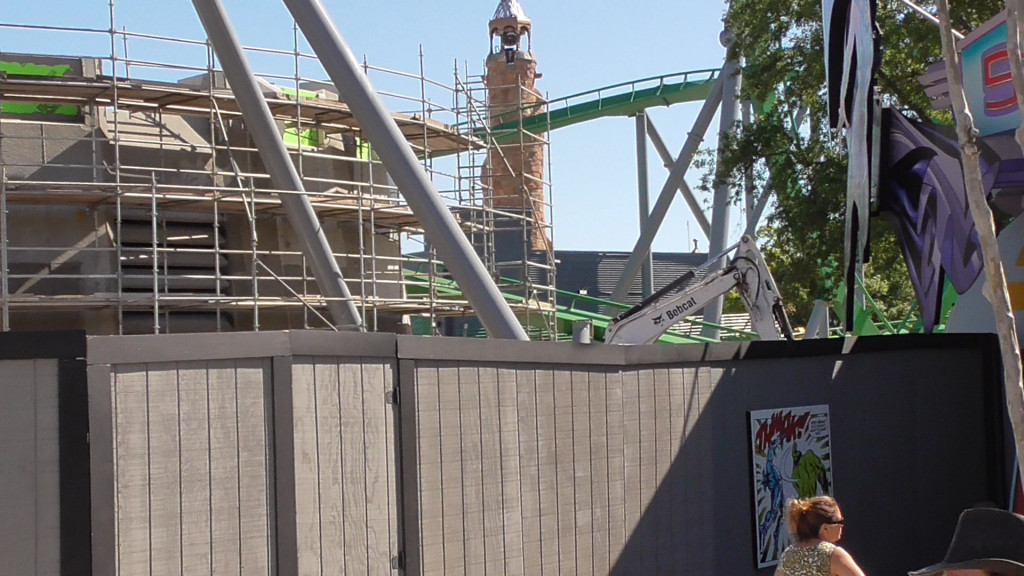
{"x": 791, "y": 451}
{"x": 988, "y": 84}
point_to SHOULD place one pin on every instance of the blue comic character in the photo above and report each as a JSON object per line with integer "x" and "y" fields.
{"x": 771, "y": 483}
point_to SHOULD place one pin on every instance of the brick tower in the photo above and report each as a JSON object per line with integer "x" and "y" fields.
{"x": 516, "y": 168}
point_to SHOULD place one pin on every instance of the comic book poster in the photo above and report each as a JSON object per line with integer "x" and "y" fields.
{"x": 791, "y": 453}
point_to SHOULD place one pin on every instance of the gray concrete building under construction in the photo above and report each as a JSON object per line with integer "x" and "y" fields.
{"x": 134, "y": 205}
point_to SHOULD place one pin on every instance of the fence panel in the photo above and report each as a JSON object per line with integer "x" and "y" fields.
{"x": 284, "y": 453}
{"x": 29, "y": 463}
{"x": 346, "y": 483}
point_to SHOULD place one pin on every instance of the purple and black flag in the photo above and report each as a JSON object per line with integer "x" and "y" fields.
{"x": 922, "y": 191}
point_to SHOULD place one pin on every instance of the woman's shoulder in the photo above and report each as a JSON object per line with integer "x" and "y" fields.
{"x": 843, "y": 563}
{"x": 806, "y": 559}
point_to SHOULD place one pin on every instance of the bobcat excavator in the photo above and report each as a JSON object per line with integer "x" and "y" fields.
{"x": 746, "y": 272}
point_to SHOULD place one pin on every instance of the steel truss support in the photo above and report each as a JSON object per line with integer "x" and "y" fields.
{"x": 647, "y": 272}
{"x": 684, "y": 188}
{"x": 721, "y": 205}
{"x": 672, "y": 183}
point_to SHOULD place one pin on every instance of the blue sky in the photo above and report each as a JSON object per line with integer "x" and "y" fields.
{"x": 578, "y": 45}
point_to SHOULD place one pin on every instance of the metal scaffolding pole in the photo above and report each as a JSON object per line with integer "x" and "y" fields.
{"x": 5, "y": 294}
{"x": 283, "y": 174}
{"x": 393, "y": 150}
{"x": 668, "y": 191}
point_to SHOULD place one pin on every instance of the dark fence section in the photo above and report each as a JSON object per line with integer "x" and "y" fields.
{"x": 44, "y": 454}
{"x": 520, "y": 458}
{"x": 321, "y": 453}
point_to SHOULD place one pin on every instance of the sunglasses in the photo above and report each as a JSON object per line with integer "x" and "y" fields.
{"x": 836, "y": 522}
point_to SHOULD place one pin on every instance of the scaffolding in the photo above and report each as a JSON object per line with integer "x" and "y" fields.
{"x": 132, "y": 199}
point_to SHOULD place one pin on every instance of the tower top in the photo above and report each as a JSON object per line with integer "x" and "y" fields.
{"x": 510, "y": 9}
{"x": 509, "y": 24}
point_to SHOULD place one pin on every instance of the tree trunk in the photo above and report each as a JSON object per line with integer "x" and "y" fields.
{"x": 1013, "y": 50}
{"x": 995, "y": 280}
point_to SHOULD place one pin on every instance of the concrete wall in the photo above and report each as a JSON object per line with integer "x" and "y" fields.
{"x": 70, "y": 245}
{"x": 59, "y": 250}
{"x": 51, "y": 152}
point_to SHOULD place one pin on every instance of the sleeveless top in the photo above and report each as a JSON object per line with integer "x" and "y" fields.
{"x": 807, "y": 560}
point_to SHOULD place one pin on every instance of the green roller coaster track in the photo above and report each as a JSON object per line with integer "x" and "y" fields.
{"x": 418, "y": 283}
{"x": 627, "y": 99}
{"x": 869, "y": 320}
{"x": 623, "y": 99}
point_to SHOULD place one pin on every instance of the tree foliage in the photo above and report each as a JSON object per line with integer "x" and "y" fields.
{"x": 795, "y": 156}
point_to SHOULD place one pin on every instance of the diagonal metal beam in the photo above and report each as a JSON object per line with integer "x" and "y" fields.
{"x": 755, "y": 215}
{"x": 675, "y": 176}
{"x": 396, "y": 154}
{"x": 283, "y": 174}
{"x": 684, "y": 188}
{"x": 747, "y": 109}
{"x": 794, "y": 130}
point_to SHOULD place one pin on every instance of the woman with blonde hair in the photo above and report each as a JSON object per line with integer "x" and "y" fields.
{"x": 816, "y": 524}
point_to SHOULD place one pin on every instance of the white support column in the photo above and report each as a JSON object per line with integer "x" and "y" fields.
{"x": 721, "y": 207}
{"x": 647, "y": 272}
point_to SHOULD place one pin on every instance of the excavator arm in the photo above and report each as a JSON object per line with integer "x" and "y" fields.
{"x": 746, "y": 272}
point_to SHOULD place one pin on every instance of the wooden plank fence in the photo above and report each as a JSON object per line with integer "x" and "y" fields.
{"x": 319, "y": 453}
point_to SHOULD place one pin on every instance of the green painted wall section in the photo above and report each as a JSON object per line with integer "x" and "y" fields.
{"x": 28, "y": 108}
{"x": 308, "y": 94}
{"x": 308, "y": 137}
{"x": 30, "y": 69}
{"x": 362, "y": 149}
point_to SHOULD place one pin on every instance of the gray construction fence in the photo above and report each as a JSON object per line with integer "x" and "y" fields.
{"x": 320, "y": 453}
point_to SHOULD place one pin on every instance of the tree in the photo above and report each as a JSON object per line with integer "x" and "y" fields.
{"x": 793, "y": 154}
{"x": 995, "y": 285}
